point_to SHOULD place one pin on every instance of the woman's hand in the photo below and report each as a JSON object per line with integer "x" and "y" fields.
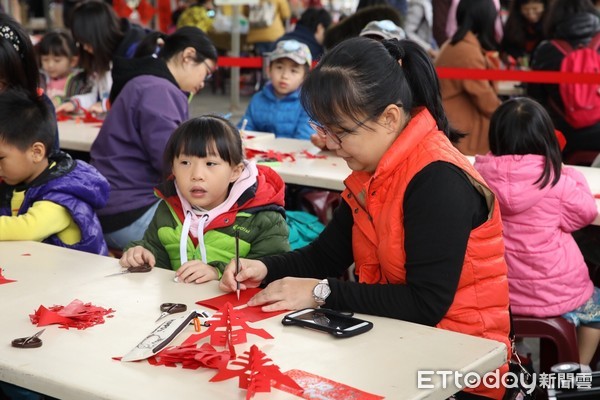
{"x": 286, "y": 294}
{"x": 196, "y": 271}
{"x": 137, "y": 256}
{"x": 251, "y": 274}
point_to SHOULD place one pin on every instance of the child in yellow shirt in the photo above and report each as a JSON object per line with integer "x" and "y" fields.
{"x": 45, "y": 198}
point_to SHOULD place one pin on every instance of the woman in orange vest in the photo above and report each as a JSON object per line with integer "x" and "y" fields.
{"x": 418, "y": 221}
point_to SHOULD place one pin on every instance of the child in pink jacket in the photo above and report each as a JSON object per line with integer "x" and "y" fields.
{"x": 542, "y": 202}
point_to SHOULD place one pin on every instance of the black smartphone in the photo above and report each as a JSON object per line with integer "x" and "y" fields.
{"x": 338, "y": 324}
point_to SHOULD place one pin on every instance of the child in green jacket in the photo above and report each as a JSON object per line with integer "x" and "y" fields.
{"x": 210, "y": 193}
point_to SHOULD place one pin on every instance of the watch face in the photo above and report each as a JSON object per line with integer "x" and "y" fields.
{"x": 321, "y": 291}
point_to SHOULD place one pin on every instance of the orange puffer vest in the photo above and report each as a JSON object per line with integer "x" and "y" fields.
{"x": 480, "y": 306}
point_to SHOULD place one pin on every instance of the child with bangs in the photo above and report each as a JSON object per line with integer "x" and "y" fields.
{"x": 210, "y": 193}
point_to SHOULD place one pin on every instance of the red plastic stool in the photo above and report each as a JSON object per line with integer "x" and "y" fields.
{"x": 558, "y": 338}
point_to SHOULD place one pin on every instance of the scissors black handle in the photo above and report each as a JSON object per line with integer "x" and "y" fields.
{"x": 27, "y": 343}
{"x": 173, "y": 308}
{"x": 140, "y": 268}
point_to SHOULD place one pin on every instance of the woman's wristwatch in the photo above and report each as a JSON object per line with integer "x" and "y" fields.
{"x": 321, "y": 291}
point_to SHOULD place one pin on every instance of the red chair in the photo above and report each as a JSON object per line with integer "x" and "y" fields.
{"x": 558, "y": 338}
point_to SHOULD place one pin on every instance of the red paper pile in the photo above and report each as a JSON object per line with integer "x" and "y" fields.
{"x": 191, "y": 357}
{"x": 75, "y": 315}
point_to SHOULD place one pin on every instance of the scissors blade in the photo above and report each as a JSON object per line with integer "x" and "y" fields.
{"x": 164, "y": 314}
{"x": 34, "y": 336}
{"x": 119, "y": 273}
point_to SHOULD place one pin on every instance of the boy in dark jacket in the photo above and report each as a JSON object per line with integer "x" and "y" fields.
{"x": 44, "y": 198}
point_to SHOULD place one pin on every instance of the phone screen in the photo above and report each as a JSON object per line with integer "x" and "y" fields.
{"x": 337, "y": 322}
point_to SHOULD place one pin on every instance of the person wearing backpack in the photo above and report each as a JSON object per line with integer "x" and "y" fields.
{"x": 267, "y": 24}
{"x": 573, "y": 39}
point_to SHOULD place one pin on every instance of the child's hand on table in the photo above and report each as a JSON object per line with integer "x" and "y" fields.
{"x": 137, "y": 256}
{"x": 67, "y": 108}
{"x": 196, "y": 271}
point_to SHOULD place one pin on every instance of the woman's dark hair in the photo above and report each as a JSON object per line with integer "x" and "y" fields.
{"x": 561, "y": 10}
{"x": 522, "y": 126}
{"x": 479, "y": 17}
{"x": 57, "y": 43}
{"x": 312, "y": 17}
{"x": 18, "y": 63}
{"x": 361, "y": 77}
{"x": 515, "y": 28}
{"x": 188, "y": 36}
{"x": 199, "y": 136}
{"x": 94, "y": 23}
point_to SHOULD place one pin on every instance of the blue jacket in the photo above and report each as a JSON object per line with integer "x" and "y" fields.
{"x": 285, "y": 117}
{"x": 79, "y": 188}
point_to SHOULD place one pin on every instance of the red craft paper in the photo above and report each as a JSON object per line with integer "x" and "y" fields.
{"x": 252, "y": 314}
{"x": 75, "y": 315}
{"x": 256, "y": 373}
{"x": 316, "y": 387}
{"x": 146, "y": 11}
{"x": 191, "y": 356}
{"x": 3, "y": 279}
{"x": 269, "y": 154}
{"x": 228, "y": 327}
{"x": 308, "y": 154}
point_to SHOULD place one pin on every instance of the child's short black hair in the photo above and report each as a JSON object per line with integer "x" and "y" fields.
{"x": 24, "y": 120}
{"x": 57, "y": 43}
{"x": 197, "y": 136}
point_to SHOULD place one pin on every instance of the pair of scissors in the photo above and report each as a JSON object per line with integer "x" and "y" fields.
{"x": 138, "y": 269}
{"x": 29, "y": 342}
{"x": 171, "y": 308}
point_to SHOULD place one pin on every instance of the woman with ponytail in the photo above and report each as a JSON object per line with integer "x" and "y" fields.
{"x": 418, "y": 221}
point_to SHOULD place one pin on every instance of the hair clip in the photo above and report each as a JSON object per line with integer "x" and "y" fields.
{"x": 8, "y": 33}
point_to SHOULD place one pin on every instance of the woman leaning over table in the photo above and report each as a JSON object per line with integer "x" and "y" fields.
{"x": 421, "y": 226}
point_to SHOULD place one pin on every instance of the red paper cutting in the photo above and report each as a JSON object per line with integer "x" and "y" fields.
{"x": 75, "y": 315}
{"x": 121, "y": 8}
{"x": 269, "y": 155}
{"x": 252, "y": 314}
{"x": 222, "y": 332}
{"x": 308, "y": 154}
{"x": 3, "y": 279}
{"x": 316, "y": 387}
{"x": 256, "y": 373}
{"x": 146, "y": 11}
{"x": 191, "y": 356}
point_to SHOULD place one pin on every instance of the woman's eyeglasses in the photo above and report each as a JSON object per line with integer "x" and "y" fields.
{"x": 209, "y": 75}
{"x": 324, "y": 131}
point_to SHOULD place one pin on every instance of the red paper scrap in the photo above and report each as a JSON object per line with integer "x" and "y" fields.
{"x": 222, "y": 330}
{"x": 257, "y": 373}
{"x": 3, "y": 279}
{"x": 75, "y": 315}
{"x": 269, "y": 155}
{"x": 308, "y": 154}
{"x": 251, "y": 314}
{"x": 316, "y": 387}
{"x": 191, "y": 356}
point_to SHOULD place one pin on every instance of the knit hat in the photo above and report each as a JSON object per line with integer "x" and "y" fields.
{"x": 292, "y": 49}
{"x": 384, "y": 29}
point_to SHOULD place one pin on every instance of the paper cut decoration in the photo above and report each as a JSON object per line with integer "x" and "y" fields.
{"x": 223, "y": 332}
{"x": 3, "y": 279}
{"x": 146, "y": 11}
{"x": 251, "y": 314}
{"x": 121, "y": 8}
{"x": 164, "y": 14}
{"x": 269, "y": 155}
{"x": 191, "y": 356}
{"x": 316, "y": 387}
{"x": 75, "y": 315}
{"x": 256, "y": 373}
